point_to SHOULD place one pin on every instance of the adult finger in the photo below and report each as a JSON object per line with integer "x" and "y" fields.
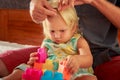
{"x": 38, "y": 17}
{"x": 48, "y": 9}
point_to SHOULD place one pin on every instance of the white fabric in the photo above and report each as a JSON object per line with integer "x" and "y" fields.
{"x": 4, "y": 46}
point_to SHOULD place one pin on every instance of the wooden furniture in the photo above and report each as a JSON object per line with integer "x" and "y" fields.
{"x": 17, "y": 26}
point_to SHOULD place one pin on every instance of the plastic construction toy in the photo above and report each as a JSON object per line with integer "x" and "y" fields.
{"x": 43, "y": 69}
{"x": 63, "y": 70}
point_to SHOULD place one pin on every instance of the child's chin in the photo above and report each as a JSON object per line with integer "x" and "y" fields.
{"x": 58, "y": 42}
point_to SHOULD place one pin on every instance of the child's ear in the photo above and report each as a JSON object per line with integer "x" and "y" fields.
{"x": 74, "y": 28}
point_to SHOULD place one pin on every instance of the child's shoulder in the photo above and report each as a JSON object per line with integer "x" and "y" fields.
{"x": 77, "y": 36}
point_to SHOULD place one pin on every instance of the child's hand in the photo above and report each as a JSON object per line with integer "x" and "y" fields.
{"x": 32, "y": 59}
{"x": 72, "y": 64}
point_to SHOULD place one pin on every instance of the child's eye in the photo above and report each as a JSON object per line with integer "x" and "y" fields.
{"x": 52, "y": 31}
{"x": 62, "y": 30}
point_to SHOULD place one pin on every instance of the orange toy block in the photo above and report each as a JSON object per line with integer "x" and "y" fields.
{"x": 38, "y": 65}
{"x": 66, "y": 75}
{"x": 62, "y": 69}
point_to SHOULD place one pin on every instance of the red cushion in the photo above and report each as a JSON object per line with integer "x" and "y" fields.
{"x": 109, "y": 70}
{"x": 13, "y": 58}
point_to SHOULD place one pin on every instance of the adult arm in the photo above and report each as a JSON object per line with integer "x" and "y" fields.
{"x": 109, "y": 10}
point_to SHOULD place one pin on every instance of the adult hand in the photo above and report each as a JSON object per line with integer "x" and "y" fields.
{"x": 40, "y": 9}
{"x": 78, "y": 2}
{"x": 67, "y": 3}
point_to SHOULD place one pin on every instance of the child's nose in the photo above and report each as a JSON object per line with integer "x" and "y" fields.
{"x": 57, "y": 35}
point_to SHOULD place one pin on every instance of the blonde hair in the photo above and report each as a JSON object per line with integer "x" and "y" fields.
{"x": 69, "y": 16}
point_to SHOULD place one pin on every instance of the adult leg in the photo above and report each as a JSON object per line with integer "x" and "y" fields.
{"x": 109, "y": 70}
{"x": 15, "y": 75}
{"x": 3, "y": 69}
{"x": 86, "y": 77}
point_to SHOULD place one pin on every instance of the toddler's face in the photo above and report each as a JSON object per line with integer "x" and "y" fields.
{"x": 58, "y": 31}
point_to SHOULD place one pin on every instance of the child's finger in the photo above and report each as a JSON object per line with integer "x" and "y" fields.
{"x": 68, "y": 61}
{"x": 32, "y": 60}
{"x": 33, "y": 54}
